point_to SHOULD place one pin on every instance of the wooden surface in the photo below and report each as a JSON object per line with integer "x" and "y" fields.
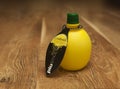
{"x": 22, "y": 51}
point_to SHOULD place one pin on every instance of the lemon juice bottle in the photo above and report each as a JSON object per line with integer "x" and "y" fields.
{"x": 70, "y": 49}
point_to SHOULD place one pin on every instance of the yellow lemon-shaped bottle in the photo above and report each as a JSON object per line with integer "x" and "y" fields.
{"x": 78, "y": 51}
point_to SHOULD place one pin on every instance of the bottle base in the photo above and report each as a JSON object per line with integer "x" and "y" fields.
{"x": 74, "y": 69}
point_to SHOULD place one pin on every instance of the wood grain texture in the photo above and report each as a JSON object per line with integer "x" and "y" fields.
{"x": 22, "y": 56}
{"x": 19, "y": 45}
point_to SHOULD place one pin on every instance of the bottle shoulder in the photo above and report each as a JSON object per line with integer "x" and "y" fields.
{"x": 78, "y": 30}
{"x": 78, "y": 34}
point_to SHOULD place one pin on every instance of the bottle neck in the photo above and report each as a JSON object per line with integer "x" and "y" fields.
{"x": 72, "y": 25}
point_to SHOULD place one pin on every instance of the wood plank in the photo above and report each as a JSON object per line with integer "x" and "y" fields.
{"x": 19, "y": 45}
{"x": 18, "y": 60}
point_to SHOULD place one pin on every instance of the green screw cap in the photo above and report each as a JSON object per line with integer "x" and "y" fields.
{"x": 72, "y": 18}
